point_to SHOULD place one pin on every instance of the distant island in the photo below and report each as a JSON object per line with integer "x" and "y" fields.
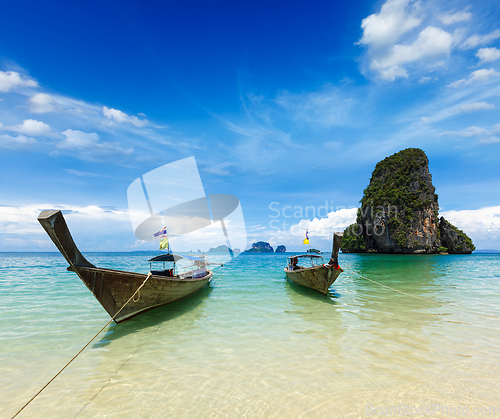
{"x": 260, "y": 247}
{"x": 314, "y": 251}
{"x": 220, "y": 249}
{"x": 264, "y": 247}
{"x": 399, "y": 212}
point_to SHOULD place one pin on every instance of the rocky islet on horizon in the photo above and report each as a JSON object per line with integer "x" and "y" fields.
{"x": 264, "y": 247}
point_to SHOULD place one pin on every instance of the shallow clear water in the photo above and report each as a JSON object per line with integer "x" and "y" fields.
{"x": 254, "y": 345}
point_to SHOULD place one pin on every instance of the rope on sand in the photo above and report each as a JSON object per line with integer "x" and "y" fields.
{"x": 81, "y": 350}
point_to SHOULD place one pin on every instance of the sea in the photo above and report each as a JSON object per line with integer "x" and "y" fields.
{"x": 396, "y": 336}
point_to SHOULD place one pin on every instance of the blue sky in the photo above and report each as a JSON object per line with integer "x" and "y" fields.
{"x": 286, "y": 105}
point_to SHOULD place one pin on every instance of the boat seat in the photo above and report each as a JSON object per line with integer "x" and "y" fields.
{"x": 166, "y": 272}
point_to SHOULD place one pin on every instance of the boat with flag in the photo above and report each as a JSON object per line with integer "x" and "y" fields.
{"x": 114, "y": 289}
{"x": 312, "y": 272}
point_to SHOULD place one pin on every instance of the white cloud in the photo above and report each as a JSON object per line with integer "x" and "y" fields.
{"x": 475, "y": 40}
{"x": 27, "y": 215}
{"x": 121, "y": 117}
{"x": 397, "y": 46}
{"x": 115, "y": 114}
{"x": 78, "y": 139}
{"x": 451, "y": 18}
{"x": 487, "y": 55}
{"x": 88, "y": 146}
{"x": 21, "y": 142}
{"x": 392, "y": 73}
{"x": 324, "y": 227}
{"x": 31, "y": 127}
{"x": 479, "y": 106}
{"x": 389, "y": 52}
{"x": 11, "y": 79}
{"x": 41, "y": 103}
{"x": 19, "y": 228}
{"x": 481, "y": 225}
{"x": 431, "y": 42}
{"x": 477, "y": 76}
{"x": 396, "y": 17}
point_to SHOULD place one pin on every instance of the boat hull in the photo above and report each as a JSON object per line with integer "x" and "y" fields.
{"x": 319, "y": 278}
{"x": 114, "y": 288}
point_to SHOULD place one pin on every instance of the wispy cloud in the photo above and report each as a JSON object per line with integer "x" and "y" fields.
{"x": 220, "y": 169}
{"x": 478, "y": 106}
{"x": 87, "y": 174}
{"x": 450, "y": 111}
{"x": 20, "y": 142}
{"x": 331, "y": 105}
{"x": 451, "y": 18}
{"x": 478, "y": 76}
{"x": 469, "y": 132}
{"x": 476, "y": 40}
{"x": 486, "y": 136}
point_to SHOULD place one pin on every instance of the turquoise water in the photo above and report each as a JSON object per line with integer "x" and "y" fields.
{"x": 254, "y": 345}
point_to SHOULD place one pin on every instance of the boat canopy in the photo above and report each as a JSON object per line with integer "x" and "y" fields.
{"x": 170, "y": 257}
{"x": 306, "y": 256}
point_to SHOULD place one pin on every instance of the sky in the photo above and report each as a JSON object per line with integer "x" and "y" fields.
{"x": 287, "y": 105}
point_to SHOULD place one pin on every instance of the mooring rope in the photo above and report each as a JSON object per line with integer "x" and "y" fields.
{"x": 394, "y": 289}
{"x": 81, "y": 350}
{"x": 420, "y": 298}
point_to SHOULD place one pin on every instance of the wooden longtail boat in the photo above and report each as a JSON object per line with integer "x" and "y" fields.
{"x": 113, "y": 288}
{"x": 319, "y": 276}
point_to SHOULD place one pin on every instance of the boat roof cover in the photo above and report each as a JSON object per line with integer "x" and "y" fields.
{"x": 170, "y": 257}
{"x": 306, "y": 256}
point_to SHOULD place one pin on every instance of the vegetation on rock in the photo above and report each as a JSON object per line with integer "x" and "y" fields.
{"x": 352, "y": 241}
